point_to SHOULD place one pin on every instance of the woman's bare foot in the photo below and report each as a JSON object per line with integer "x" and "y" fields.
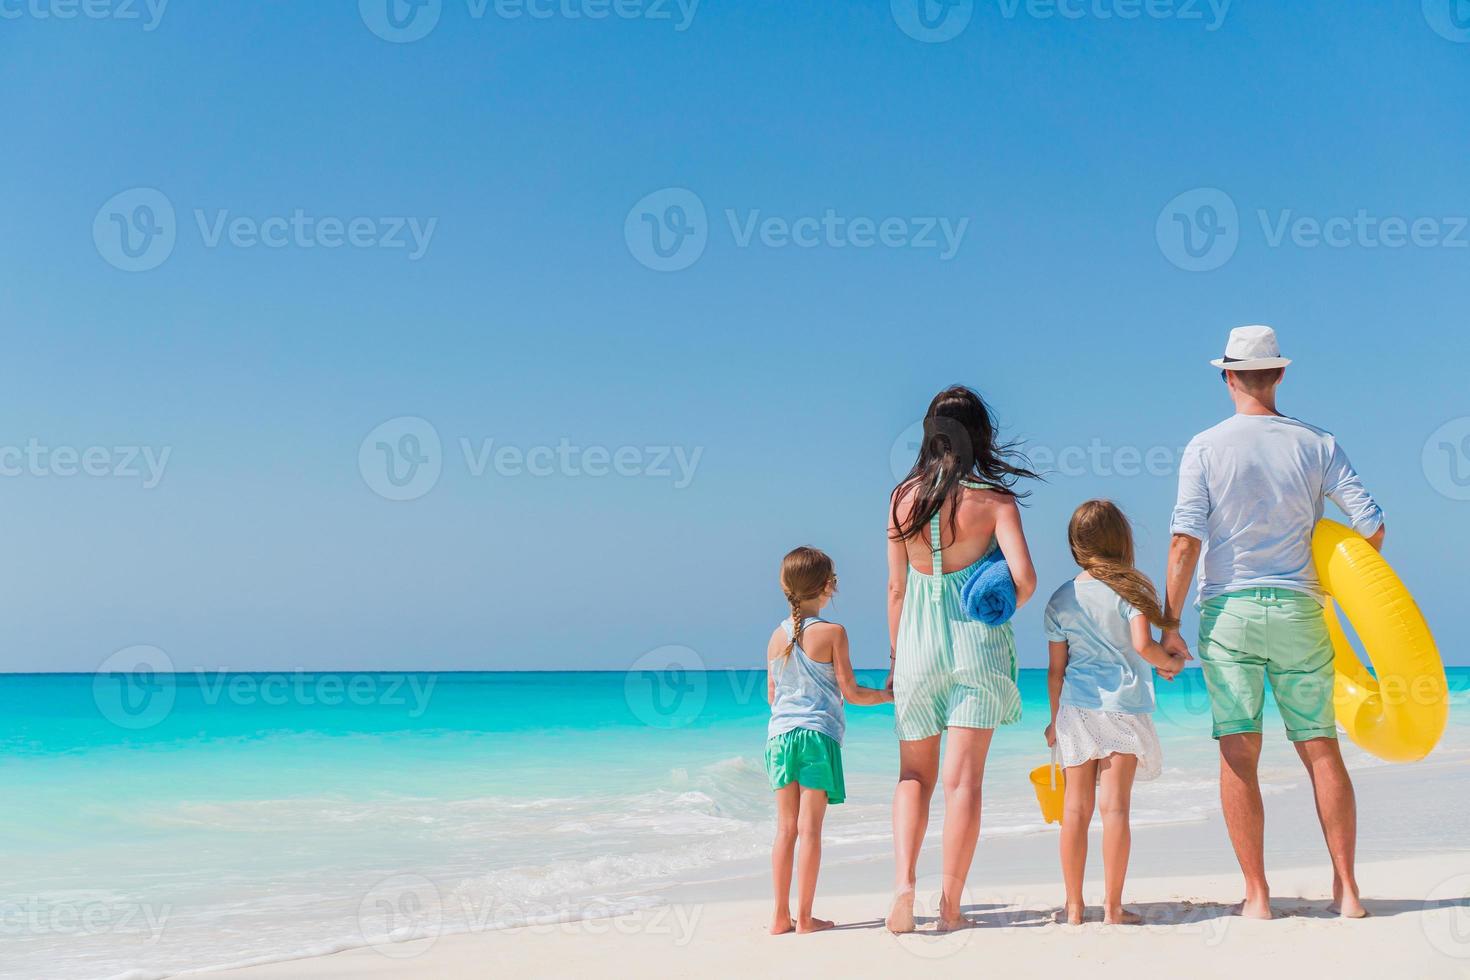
{"x": 1070, "y": 915}
{"x": 953, "y": 925}
{"x": 814, "y": 925}
{"x": 901, "y": 915}
{"x": 1120, "y": 916}
{"x": 781, "y": 925}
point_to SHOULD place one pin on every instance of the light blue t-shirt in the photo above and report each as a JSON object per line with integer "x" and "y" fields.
{"x": 1252, "y": 490}
{"x": 1104, "y": 672}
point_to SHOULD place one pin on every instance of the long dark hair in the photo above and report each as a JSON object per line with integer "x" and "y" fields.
{"x": 960, "y": 443}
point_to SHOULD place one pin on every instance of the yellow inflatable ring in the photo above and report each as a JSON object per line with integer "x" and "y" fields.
{"x": 1400, "y": 714}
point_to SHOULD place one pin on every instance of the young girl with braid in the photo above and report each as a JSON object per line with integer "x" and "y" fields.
{"x": 808, "y": 676}
{"x": 1102, "y": 697}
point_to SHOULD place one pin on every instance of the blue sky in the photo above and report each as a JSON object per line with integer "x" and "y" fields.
{"x": 454, "y": 231}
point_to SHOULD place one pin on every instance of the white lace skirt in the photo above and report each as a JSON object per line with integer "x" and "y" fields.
{"x": 1084, "y": 734}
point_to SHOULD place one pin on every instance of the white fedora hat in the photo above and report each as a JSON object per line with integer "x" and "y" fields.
{"x": 1251, "y": 349}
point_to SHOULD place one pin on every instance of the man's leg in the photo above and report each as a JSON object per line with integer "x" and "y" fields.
{"x": 1231, "y": 648}
{"x": 1337, "y": 809}
{"x": 1301, "y": 673}
{"x": 1245, "y": 817}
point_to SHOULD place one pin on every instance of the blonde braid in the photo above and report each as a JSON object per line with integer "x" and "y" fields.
{"x": 797, "y": 623}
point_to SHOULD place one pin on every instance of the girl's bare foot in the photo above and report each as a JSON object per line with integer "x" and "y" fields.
{"x": 814, "y": 925}
{"x": 1120, "y": 917}
{"x": 901, "y": 915}
{"x": 781, "y": 925}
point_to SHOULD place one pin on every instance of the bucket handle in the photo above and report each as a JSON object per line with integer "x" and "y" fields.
{"x": 1054, "y": 766}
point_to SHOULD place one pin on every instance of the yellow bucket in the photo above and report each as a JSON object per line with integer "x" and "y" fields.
{"x": 1050, "y": 784}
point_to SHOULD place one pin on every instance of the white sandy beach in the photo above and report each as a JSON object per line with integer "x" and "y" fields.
{"x": 1414, "y": 872}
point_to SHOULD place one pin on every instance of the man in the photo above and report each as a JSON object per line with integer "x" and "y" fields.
{"x": 1251, "y": 490}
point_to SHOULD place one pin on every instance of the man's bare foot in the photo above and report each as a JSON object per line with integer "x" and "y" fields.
{"x": 901, "y": 915}
{"x": 1346, "y": 904}
{"x": 781, "y": 925}
{"x": 1258, "y": 908}
{"x": 1121, "y": 917}
{"x": 814, "y": 925}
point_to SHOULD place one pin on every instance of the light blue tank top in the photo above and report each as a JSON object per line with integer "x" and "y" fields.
{"x": 806, "y": 693}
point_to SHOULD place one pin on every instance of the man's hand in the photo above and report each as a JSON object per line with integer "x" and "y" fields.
{"x": 1173, "y": 641}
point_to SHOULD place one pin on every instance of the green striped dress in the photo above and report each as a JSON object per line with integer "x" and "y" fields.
{"x": 950, "y": 670}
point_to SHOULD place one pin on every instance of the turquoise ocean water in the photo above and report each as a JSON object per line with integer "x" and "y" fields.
{"x": 157, "y": 824}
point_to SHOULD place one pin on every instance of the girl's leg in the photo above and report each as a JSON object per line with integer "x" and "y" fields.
{"x": 918, "y": 771}
{"x": 1077, "y": 804}
{"x": 809, "y": 858}
{"x": 1115, "y": 794}
{"x": 788, "y": 802}
{"x": 964, "y": 771}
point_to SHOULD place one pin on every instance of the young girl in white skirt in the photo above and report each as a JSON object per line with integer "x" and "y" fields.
{"x": 1101, "y": 644}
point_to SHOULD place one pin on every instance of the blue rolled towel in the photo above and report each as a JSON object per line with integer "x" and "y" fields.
{"x": 990, "y": 596}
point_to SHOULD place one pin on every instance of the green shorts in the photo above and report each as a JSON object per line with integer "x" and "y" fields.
{"x": 1246, "y": 637}
{"x": 810, "y": 759}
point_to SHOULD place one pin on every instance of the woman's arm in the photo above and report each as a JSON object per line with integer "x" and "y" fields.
{"x": 898, "y": 577}
{"x": 1056, "y": 671}
{"x": 852, "y": 692}
{"x": 1167, "y": 664}
{"x": 1012, "y": 539}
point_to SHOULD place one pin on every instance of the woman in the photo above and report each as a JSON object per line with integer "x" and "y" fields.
{"x": 949, "y": 673}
